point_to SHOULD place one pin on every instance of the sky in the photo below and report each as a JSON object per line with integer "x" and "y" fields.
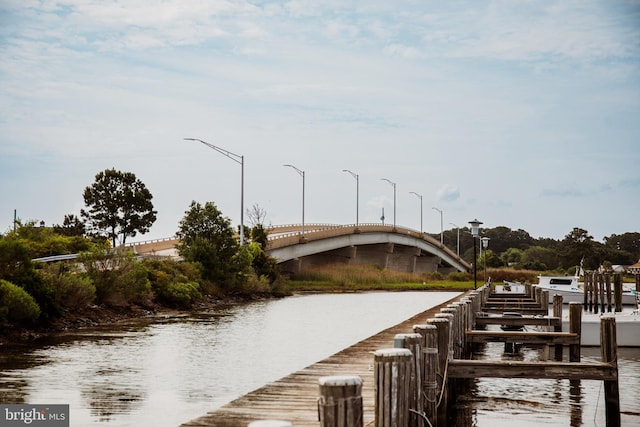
{"x": 523, "y": 114}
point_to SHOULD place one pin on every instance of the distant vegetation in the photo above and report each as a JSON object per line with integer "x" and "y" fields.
{"x": 215, "y": 265}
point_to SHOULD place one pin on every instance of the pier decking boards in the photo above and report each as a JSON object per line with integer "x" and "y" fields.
{"x": 294, "y": 397}
{"x": 423, "y": 363}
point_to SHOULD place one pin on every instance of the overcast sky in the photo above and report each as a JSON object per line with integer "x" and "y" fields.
{"x": 523, "y": 114}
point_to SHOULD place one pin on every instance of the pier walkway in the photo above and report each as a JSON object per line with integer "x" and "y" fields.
{"x": 294, "y": 397}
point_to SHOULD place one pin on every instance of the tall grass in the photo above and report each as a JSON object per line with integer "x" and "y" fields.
{"x": 341, "y": 277}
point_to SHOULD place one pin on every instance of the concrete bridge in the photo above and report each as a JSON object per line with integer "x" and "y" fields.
{"x": 394, "y": 248}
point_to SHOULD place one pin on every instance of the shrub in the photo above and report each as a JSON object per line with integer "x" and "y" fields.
{"x": 174, "y": 283}
{"x": 458, "y": 276}
{"x": 71, "y": 290}
{"x": 118, "y": 278}
{"x": 16, "y": 304}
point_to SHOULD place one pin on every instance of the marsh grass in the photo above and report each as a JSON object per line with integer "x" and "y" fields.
{"x": 350, "y": 278}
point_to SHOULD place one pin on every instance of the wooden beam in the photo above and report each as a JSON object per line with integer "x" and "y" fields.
{"x": 523, "y": 337}
{"x": 519, "y": 321}
{"x": 540, "y": 370}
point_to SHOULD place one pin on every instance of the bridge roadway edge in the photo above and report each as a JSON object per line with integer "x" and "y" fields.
{"x": 294, "y": 397}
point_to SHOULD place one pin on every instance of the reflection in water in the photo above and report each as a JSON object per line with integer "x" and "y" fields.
{"x": 173, "y": 369}
{"x": 498, "y": 402}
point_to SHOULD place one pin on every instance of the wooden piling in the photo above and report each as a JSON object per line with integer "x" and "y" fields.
{"x": 601, "y": 292}
{"x": 392, "y": 374}
{"x": 557, "y": 312}
{"x": 443, "y": 332}
{"x": 586, "y": 289}
{"x": 413, "y": 342}
{"x": 575, "y": 326}
{"x": 609, "y": 354}
{"x": 617, "y": 291}
{"x": 429, "y": 370}
{"x": 340, "y": 401}
{"x": 607, "y": 284}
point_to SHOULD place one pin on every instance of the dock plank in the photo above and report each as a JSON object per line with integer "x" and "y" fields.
{"x": 294, "y": 397}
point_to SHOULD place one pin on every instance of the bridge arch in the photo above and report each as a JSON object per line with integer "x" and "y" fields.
{"x": 395, "y": 248}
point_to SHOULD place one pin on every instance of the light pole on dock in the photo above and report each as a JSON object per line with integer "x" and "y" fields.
{"x": 475, "y": 228}
{"x": 485, "y": 245}
{"x": 240, "y": 160}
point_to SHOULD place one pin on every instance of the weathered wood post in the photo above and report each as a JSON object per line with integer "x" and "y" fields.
{"x": 601, "y": 292}
{"x": 544, "y": 300}
{"x": 617, "y": 291}
{"x": 270, "y": 423}
{"x": 585, "y": 293}
{"x": 596, "y": 291}
{"x": 392, "y": 379}
{"x": 575, "y": 326}
{"x": 607, "y": 281}
{"x": 443, "y": 331}
{"x": 413, "y": 342}
{"x": 557, "y": 312}
{"x": 340, "y": 401}
{"x": 538, "y": 294}
{"x": 430, "y": 370}
{"x": 455, "y": 328}
{"x": 609, "y": 353}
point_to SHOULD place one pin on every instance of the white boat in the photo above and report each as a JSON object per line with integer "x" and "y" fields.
{"x": 627, "y": 328}
{"x": 573, "y": 291}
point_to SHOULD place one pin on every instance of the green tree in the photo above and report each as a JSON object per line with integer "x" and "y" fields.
{"x": 511, "y": 256}
{"x": 575, "y": 246}
{"x": 539, "y": 258}
{"x": 119, "y": 205}
{"x": 71, "y": 226}
{"x": 206, "y": 237}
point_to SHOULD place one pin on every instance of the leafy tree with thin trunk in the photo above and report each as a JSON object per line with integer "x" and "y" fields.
{"x": 207, "y": 238}
{"x": 119, "y": 205}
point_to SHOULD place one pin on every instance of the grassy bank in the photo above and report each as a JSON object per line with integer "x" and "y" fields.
{"x": 352, "y": 278}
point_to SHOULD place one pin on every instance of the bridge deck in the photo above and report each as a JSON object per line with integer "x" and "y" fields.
{"x": 294, "y": 398}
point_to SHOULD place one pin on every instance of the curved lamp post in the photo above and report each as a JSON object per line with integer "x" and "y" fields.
{"x": 420, "y": 197}
{"x": 357, "y": 177}
{"x": 393, "y": 184}
{"x": 441, "y": 226}
{"x": 475, "y": 229}
{"x": 458, "y": 246}
{"x": 301, "y": 173}
{"x": 240, "y": 160}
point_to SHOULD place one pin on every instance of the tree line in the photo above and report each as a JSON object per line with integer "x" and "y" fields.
{"x": 517, "y": 249}
{"x": 107, "y": 273}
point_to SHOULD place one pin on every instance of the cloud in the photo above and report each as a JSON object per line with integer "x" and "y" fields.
{"x": 448, "y": 193}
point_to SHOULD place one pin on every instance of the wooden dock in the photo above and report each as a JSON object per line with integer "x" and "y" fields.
{"x": 294, "y": 397}
{"x": 408, "y": 375}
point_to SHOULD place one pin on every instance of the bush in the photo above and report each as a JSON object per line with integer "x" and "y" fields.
{"x": 459, "y": 276}
{"x": 16, "y": 304}
{"x": 119, "y": 279}
{"x": 174, "y": 283}
{"x": 71, "y": 290}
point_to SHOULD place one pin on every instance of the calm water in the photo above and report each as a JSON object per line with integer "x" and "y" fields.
{"x": 179, "y": 368}
{"x": 175, "y": 369}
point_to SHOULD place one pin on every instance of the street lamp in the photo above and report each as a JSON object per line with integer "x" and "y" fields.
{"x": 301, "y": 173}
{"x": 240, "y": 160}
{"x": 394, "y": 199}
{"x": 475, "y": 227}
{"x": 457, "y": 228}
{"x": 485, "y": 245}
{"x": 357, "y": 177}
{"x": 441, "y": 226}
{"x": 420, "y": 197}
